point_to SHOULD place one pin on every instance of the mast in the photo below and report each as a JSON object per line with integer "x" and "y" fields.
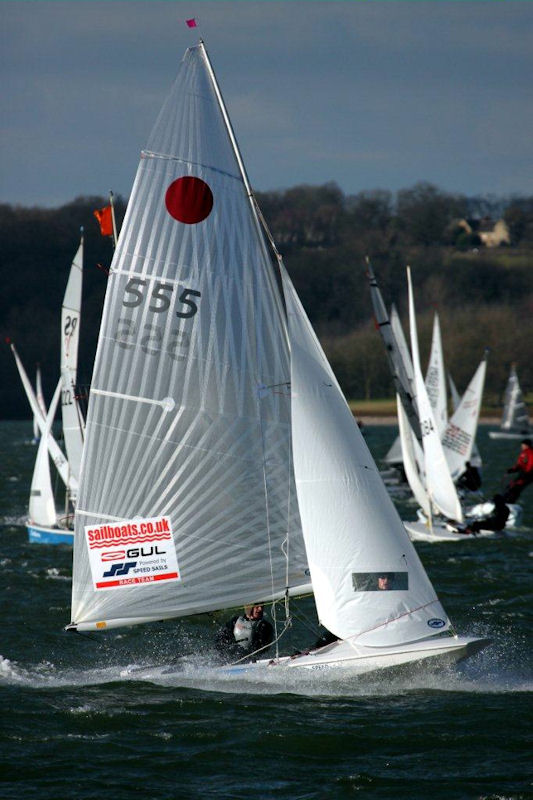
{"x": 261, "y": 227}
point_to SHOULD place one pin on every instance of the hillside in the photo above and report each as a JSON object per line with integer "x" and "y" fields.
{"x": 484, "y": 296}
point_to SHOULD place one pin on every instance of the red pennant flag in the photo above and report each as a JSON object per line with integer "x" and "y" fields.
{"x": 105, "y": 220}
{"x": 191, "y": 23}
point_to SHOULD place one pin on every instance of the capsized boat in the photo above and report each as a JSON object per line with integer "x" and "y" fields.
{"x": 222, "y": 465}
{"x": 515, "y": 419}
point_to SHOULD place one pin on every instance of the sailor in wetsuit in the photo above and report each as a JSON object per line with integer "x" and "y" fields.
{"x": 244, "y": 634}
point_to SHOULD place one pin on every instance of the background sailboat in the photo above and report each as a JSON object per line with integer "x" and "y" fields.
{"x": 222, "y": 464}
{"x": 515, "y": 419}
{"x": 48, "y": 524}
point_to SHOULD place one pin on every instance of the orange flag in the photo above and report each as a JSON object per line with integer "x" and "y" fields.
{"x": 105, "y": 220}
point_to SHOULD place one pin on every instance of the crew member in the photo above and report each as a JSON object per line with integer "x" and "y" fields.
{"x": 524, "y": 468}
{"x": 245, "y": 634}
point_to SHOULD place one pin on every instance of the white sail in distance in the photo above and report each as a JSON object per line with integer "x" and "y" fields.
{"x": 70, "y": 333}
{"x": 439, "y": 483}
{"x": 401, "y": 370}
{"x": 436, "y": 379}
{"x": 459, "y": 437}
{"x": 394, "y": 455}
{"x": 411, "y": 464}
{"x": 42, "y": 510}
{"x": 515, "y": 414}
{"x": 475, "y": 457}
{"x": 56, "y": 454}
{"x": 40, "y": 399}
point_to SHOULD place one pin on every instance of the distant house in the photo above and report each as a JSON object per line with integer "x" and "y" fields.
{"x": 494, "y": 234}
{"x": 491, "y": 234}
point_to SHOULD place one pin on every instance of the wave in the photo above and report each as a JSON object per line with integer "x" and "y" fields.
{"x": 198, "y": 673}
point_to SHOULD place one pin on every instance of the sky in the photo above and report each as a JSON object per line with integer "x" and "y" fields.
{"x": 368, "y": 94}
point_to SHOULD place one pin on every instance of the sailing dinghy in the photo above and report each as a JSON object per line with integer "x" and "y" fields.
{"x": 515, "y": 419}
{"x": 222, "y": 465}
{"x": 46, "y": 524}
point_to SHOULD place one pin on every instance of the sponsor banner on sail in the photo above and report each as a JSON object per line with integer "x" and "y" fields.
{"x": 124, "y": 554}
{"x": 456, "y": 439}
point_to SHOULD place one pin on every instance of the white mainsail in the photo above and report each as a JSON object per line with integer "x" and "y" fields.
{"x": 459, "y": 437}
{"x": 40, "y": 399}
{"x": 412, "y": 464}
{"x": 42, "y": 509}
{"x": 399, "y": 361}
{"x": 475, "y": 456}
{"x": 439, "y": 484}
{"x": 395, "y": 453}
{"x": 436, "y": 379}
{"x": 515, "y": 415}
{"x": 56, "y": 454}
{"x": 189, "y": 413}
{"x": 70, "y": 332}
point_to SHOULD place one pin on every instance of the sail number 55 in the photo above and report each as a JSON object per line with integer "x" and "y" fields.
{"x": 160, "y": 297}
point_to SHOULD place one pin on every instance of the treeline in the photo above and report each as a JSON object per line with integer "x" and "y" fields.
{"x": 484, "y": 296}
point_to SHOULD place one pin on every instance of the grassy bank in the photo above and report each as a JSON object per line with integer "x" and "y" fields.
{"x": 386, "y": 409}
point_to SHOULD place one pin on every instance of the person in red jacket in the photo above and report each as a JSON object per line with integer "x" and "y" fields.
{"x": 524, "y": 468}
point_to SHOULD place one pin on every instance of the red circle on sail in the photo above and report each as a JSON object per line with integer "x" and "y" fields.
{"x": 189, "y": 200}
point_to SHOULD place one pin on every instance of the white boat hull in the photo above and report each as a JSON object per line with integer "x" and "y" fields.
{"x": 342, "y": 657}
{"x": 442, "y": 532}
{"x": 481, "y": 510}
{"x": 507, "y": 435}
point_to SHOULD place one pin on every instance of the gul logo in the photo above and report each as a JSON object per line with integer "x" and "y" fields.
{"x": 436, "y": 622}
{"x": 119, "y": 569}
{"x": 115, "y": 555}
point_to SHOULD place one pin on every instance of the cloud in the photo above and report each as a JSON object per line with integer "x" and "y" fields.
{"x": 317, "y": 91}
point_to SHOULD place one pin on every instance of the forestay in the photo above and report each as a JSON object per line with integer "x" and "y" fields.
{"x": 189, "y": 414}
{"x": 351, "y": 528}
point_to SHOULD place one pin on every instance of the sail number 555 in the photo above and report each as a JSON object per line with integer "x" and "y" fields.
{"x": 160, "y": 297}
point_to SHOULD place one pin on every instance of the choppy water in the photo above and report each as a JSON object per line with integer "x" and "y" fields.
{"x": 73, "y": 728}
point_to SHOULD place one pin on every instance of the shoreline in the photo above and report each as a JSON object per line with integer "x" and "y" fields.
{"x": 368, "y": 419}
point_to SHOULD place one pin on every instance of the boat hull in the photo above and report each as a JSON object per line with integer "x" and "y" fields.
{"x": 340, "y": 658}
{"x": 482, "y": 510}
{"x": 507, "y": 435}
{"x": 40, "y": 534}
{"x": 441, "y": 532}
